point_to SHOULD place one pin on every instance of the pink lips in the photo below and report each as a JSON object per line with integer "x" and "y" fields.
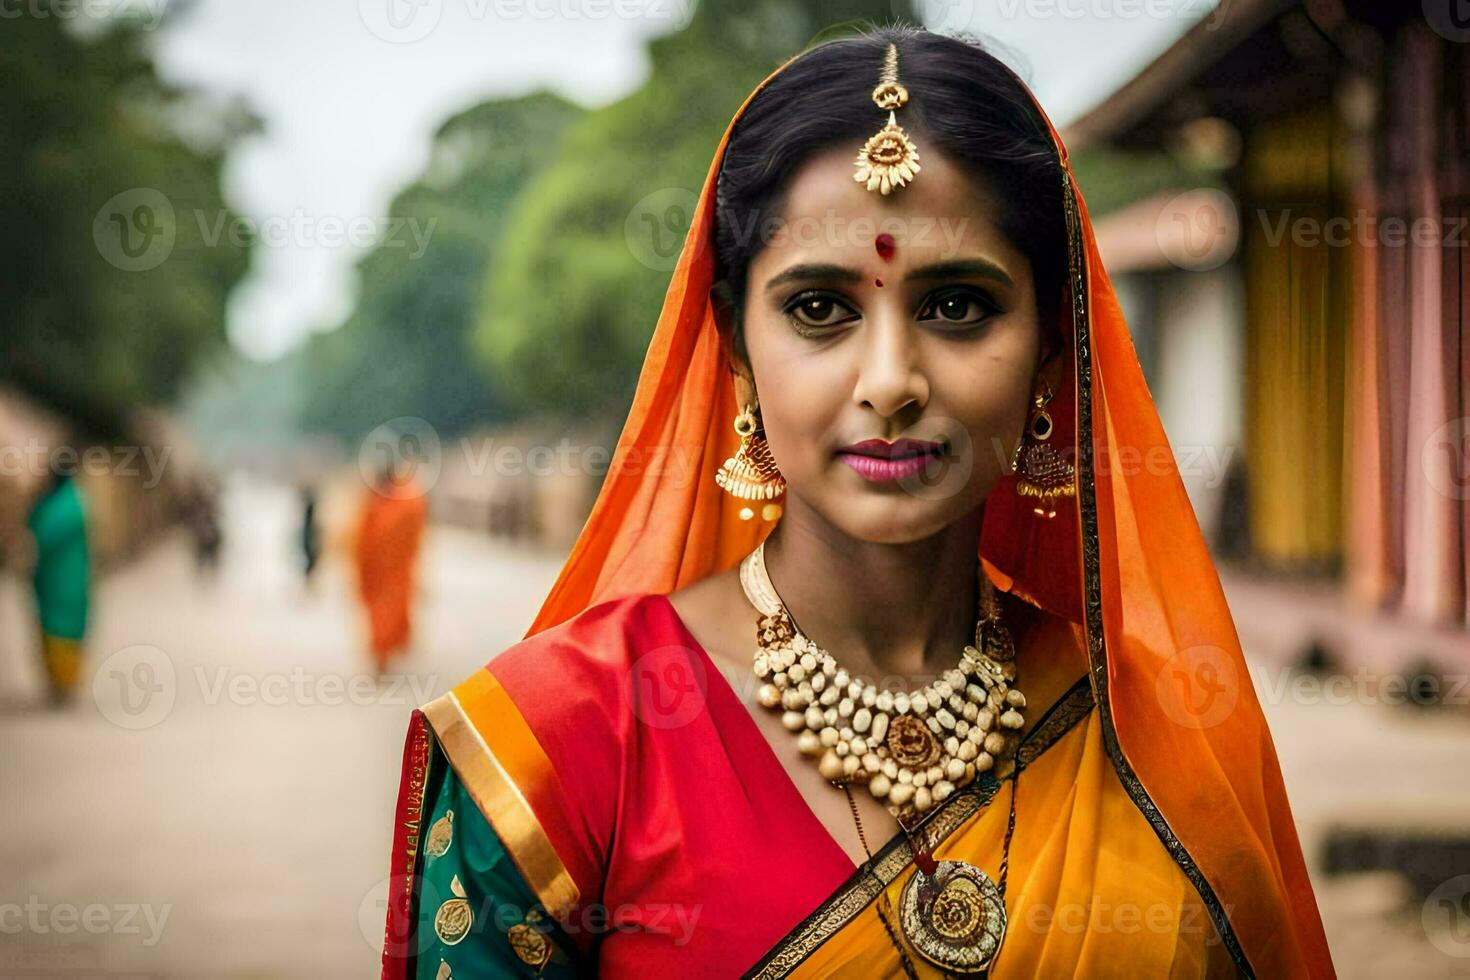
{"x": 879, "y": 461}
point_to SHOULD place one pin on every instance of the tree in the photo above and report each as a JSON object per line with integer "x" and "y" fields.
{"x": 113, "y": 286}
{"x": 571, "y": 301}
{"x": 404, "y": 350}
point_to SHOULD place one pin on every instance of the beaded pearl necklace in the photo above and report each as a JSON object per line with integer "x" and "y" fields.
{"x": 911, "y": 749}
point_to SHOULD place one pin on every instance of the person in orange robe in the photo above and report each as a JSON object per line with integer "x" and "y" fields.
{"x": 391, "y": 528}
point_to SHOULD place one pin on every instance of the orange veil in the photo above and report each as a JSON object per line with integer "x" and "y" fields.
{"x": 1180, "y": 718}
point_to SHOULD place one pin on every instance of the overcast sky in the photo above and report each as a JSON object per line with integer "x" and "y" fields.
{"x": 352, "y": 90}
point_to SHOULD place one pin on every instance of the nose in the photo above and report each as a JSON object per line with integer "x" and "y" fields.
{"x": 890, "y": 374}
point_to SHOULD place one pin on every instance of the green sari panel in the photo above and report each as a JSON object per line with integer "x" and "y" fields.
{"x": 475, "y": 914}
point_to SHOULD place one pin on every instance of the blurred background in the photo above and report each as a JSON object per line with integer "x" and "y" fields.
{"x": 299, "y": 297}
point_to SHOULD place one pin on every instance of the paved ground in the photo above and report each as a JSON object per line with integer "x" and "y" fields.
{"x": 241, "y": 829}
{"x": 260, "y": 829}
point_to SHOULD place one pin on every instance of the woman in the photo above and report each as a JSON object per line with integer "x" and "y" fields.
{"x": 746, "y": 681}
{"x": 62, "y": 581}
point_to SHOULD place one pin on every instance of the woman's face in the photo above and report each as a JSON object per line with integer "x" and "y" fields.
{"x": 928, "y": 332}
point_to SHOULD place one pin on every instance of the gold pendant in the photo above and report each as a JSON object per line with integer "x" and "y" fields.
{"x": 911, "y": 743}
{"x": 888, "y": 159}
{"x": 455, "y": 917}
{"x": 955, "y": 918}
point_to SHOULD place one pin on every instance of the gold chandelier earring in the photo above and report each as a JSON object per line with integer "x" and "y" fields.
{"x": 1045, "y": 474}
{"x": 751, "y": 474}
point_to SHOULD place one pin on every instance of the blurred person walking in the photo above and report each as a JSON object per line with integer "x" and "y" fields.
{"x": 62, "y": 577}
{"x": 311, "y": 538}
{"x": 201, "y": 516}
{"x": 391, "y": 528}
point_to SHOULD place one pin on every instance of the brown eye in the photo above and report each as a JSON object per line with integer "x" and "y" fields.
{"x": 959, "y": 307}
{"x": 818, "y": 310}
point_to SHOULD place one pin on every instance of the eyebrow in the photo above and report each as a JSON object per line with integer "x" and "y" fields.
{"x": 960, "y": 269}
{"x": 814, "y": 272}
{"x": 954, "y": 269}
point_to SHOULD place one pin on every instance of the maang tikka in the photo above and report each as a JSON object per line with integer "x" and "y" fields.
{"x": 889, "y": 158}
{"x": 1045, "y": 474}
{"x": 752, "y": 474}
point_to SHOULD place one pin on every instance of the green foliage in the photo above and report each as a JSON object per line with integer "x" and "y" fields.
{"x": 404, "y": 349}
{"x": 1111, "y": 178}
{"x": 89, "y": 147}
{"x": 571, "y": 302}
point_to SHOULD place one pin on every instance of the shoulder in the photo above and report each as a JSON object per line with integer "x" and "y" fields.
{"x": 582, "y": 685}
{"x": 594, "y": 648}
{"x": 540, "y": 737}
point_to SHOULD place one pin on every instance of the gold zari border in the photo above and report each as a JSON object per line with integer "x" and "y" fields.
{"x": 1097, "y": 654}
{"x": 495, "y": 792}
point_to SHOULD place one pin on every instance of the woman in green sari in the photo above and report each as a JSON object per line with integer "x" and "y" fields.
{"x": 62, "y": 576}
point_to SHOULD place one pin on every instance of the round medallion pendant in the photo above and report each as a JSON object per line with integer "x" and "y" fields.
{"x": 955, "y": 918}
{"x": 911, "y": 742}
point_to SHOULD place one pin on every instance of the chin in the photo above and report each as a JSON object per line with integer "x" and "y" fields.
{"x": 896, "y": 521}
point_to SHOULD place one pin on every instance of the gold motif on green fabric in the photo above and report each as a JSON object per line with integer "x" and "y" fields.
{"x": 441, "y": 835}
{"x": 444, "y": 972}
{"x": 529, "y": 944}
{"x": 453, "y": 920}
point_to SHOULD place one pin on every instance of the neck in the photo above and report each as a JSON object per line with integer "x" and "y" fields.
{"x": 880, "y": 609}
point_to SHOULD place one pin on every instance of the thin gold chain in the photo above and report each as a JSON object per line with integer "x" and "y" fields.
{"x": 883, "y": 903}
{"x": 885, "y": 908}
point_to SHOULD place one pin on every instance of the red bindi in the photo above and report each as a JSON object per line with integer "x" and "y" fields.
{"x": 878, "y": 283}
{"x": 885, "y": 245}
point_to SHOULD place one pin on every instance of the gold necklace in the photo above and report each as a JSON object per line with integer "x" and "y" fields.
{"x": 952, "y": 913}
{"x": 911, "y": 749}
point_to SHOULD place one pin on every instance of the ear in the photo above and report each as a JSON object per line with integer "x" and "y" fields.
{"x": 723, "y": 305}
{"x": 743, "y": 378}
{"x": 726, "y": 322}
{"x": 1051, "y": 362}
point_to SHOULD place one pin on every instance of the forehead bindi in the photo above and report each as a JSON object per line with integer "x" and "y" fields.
{"x": 828, "y": 217}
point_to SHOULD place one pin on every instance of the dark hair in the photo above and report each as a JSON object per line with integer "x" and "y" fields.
{"x": 963, "y": 102}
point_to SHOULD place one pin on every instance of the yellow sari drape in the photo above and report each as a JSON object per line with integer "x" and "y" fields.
{"x": 1090, "y": 892}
